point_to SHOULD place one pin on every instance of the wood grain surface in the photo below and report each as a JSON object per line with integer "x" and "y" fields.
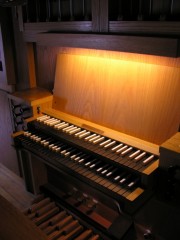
{"x": 8, "y": 153}
{"x": 136, "y": 98}
{"x": 14, "y": 225}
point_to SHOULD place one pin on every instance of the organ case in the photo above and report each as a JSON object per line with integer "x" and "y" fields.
{"x": 101, "y": 137}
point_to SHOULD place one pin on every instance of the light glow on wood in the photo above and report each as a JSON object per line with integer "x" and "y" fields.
{"x": 137, "y": 98}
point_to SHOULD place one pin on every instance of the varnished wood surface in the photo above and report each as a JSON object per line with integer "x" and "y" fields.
{"x": 32, "y": 96}
{"x": 22, "y": 71}
{"x": 7, "y": 73}
{"x": 132, "y": 44}
{"x": 13, "y": 189}
{"x": 95, "y": 16}
{"x": 14, "y": 225}
{"x": 170, "y": 152}
{"x": 46, "y": 59}
{"x": 31, "y": 64}
{"x": 145, "y": 27}
{"x": 103, "y": 16}
{"x": 173, "y": 144}
{"x": 32, "y": 29}
{"x": 138, "y": 99}
{"x": 7, "y": 152}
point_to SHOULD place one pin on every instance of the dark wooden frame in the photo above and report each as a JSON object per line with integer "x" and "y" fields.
{"x": 134, "y": 44}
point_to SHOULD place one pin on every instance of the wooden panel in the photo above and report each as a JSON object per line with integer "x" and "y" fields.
{"x": 8, "y": 153}
{"x": 136, "y": 98}
{"x": 148, "y": 10}
{"x": 132, "y": 44}
{"x": 46, "y": 61}
{"x": 103, "y": 16}
{"x": 170, "y": 152}
{"x": 21, "y": 56}
{"x": 14, "y": 225}
{"x": 7, "y": 66}
{"x": 31, "y": 64}
{"x": 12, "y": 188}
{"x": 32, "y": 29}
{"x": 148, "y": 27}
{"x": 57, "y": 11}
{"x": 32, "y": 96}
{"x": 95, "y": 15}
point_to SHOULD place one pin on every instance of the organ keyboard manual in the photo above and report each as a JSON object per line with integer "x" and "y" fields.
{"x": 92, "y": 158}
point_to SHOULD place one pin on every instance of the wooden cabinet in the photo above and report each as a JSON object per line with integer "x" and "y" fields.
{"x": 7, "y": 63}
{"x": 104, "y": 22}
{"x": 118, "y": 16}
{"x": 149, "y": 17}
{"x": 59, "y": 15}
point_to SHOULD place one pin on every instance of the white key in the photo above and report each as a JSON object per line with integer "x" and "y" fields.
{"x": 67, "y": 154}
{"x": 38, "y": 139}
{"x": 75, "y": 155}
{"x": 79, "y": 133}
{"x": 130, "y": 184}
{"x": 104, "y": 171}
{"x": 81, "y": 160}
{"x": 48, "y": 121}
{"x": 32, "y": 137}
{"x": 46, "y": 143}
{"x": 148, "y": 160}
{"x": 54, "y": 148}
{"x": 71, "y": 129}
{"x": 133, "y": 155}
{"x": 63, "y": 152}
{"x": 117, "y": 178}
{"x": 51, "y": 145}
{"x": 54, "y": 122}
{"x": 99, "y": 169}
{"x": 35, "y": 138}
{"x": 126, "y": 151}
{"x": 74, "y": 131}
{"x": 58, "y": 124}
{"x": 93, "y": 165}
{"x": 51, "y": 120}
{"x": 77, "y": 158}
{"x": 117, "y": 147}
{"x": 42, "y": 118}
{"x": 27, "y": 134}
{"x": 57, "y": 149}
{"x": 122, "y": 180}
{"x": 139, "y": 157}
{"x": 109, "y": 171}
{"x": 105, "y": 142}
{"x": 109, "y": 144}
{"x": 98, "y": 140}
{"x": 88, "y": 163}
{"x": 62, "y": 125}
{"x": 66, "y": 129}
{"x": 89, "y": 137}
{"x": 109, "y": 174}
{"x": 94, "y": 138}
{"x": 84, "y": 135}
{"x": 122, "y": 149}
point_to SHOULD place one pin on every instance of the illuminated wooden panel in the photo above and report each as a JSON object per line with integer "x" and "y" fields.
{"x": 136, "y": 98}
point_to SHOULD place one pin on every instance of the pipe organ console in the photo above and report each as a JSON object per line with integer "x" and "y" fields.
{"x": 93, "y": 158}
